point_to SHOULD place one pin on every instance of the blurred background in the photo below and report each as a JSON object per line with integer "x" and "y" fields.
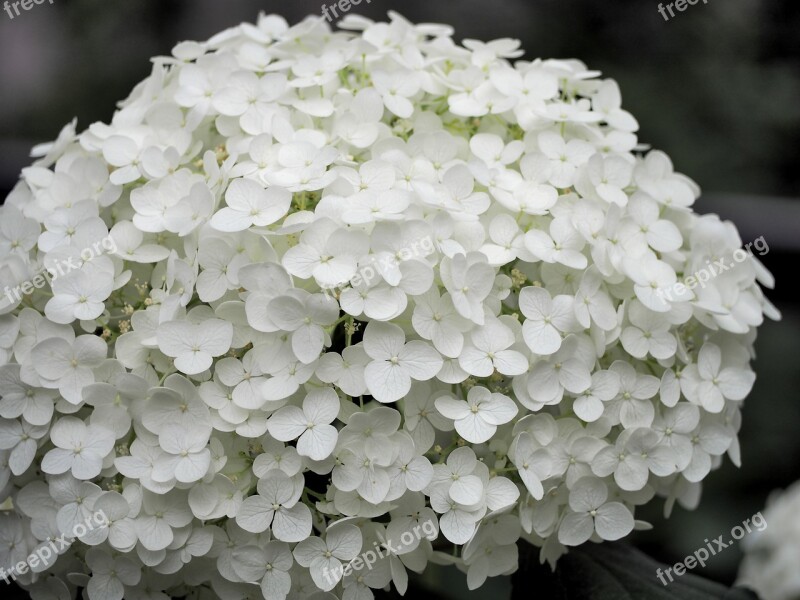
{"x": 717, "y": 87}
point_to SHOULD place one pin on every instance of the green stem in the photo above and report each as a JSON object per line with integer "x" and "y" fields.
{"x": 348, "y": 331}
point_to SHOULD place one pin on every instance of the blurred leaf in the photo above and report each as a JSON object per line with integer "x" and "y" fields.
{"x": 610, "y": 571}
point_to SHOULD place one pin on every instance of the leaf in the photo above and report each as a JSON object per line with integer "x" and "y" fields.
{"x": 610, "y": 571}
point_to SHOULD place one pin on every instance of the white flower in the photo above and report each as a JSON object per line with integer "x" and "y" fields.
{"x": 160, "y": 512}
{"x": 80, "y": 449}
{"x": 71, "y": 226}
{"x": 648, "y": 333}
{"x": 277, "y": 507}
{"x": 604, "y": 387}
{"x": 268, "y": 566}
{"x": 20, "y": 437}
{"x": 246, "y": 379}
{"x": 421, "y": 417}
{"x": 277, "y": 455}
{"x": 661, "y": 235}
{"x": 249, "y": 97}
{"x": 458, "y": 478}
{"x": 507, "y": 241}
{"x": 676, "y": 425}
{"x": 608, "y": 101}
{"x": 564, "y": 157}
{"x": 651, "y": 276}
{"x": 305, "y": 315}
{"x": 709, "y": 439}
{"x": 469, "y": 280}
{"x": 573, "y": 457}
{"x": 249, "y": 204}
{"x": 220, "y": 264}
{"x": 396, "y": 363}
{"x": 607, "y": 177}
{"x": 110, "y": 575}
{"x": 546, "y": 319}
{"x": 364, "y": 472}
{"x": 592, "y": 302}
{"x": 194, "y": 345}
{"x": 458, "y": 522}
{"x": 409, "y": 471}
{"x": 379, "y": 302}
{"x": 140, "y": 465}
{"x": 177, "y": 403}
{"x": 79, "y": 295}
{"x": 562, "y": 245}
{"x": 311, "y": 425}
{"x": 435, "y": 318}
{"x": 33, "y": 404}
{"x": 489, "y": 352}
{"x": 569, "y": 369}
{"x": 285, "y": 380}
{"x": 345, "y": 370}
{"x": 112, "y": 403}
{"x": 9, "y": 332}
{"x": 120, "y": 530}
{"x": 590, "y": 513}
{"x": 67, "y": 366}
{"x": 708, "y": 384}
{"x": 327, "y": 253}
{"x": 635, "y": 453}
{"x": 533, "y": 463}
{"x": 129, "y": 241}
{"x": 324, "y": 558}
{"x": 309, "y": 224}
{"x": 186, "y": 457}
{"x": 76, "y": 499}
{"x": 18, "y": 233}
{"x": 632, "y": 406}
{"x": 476, "y": 418}
{"x": 125, "y": 154}
{"x": 492, "y": 551}
{"x": 193, "y": 211}
{"x": 396, "y": 89}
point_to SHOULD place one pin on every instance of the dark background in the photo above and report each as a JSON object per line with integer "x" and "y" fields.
{"x": 717, "y": 88}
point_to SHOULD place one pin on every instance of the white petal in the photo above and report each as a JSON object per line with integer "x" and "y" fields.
{"x": 575, "y": 529}
{"x": 318, "y": 443}
{"x": 386, "y": 382}
{"x": 475, "y": 429}
{"x": 255, "y": 514}
{"x": 499, "y": 411}
{"x": 420, "y": 360}
{"x": 613, "y": 521}
{"x": 288, "y": 423}
{"x": 293, "y": 524}
{"x": 457, "y": 526}
{"x": 467, "y": 490}
{"x": 541, "y": 337}
{"x": 452, "y": 408}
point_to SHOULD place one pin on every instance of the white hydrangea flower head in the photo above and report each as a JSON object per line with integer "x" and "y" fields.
{"x": 772, "y": 548}
{"x": 315, "y": 296}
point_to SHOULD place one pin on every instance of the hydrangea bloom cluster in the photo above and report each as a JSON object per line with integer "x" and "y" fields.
{"x": 771, "y": 555}
{"x": 318, "y": 294}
